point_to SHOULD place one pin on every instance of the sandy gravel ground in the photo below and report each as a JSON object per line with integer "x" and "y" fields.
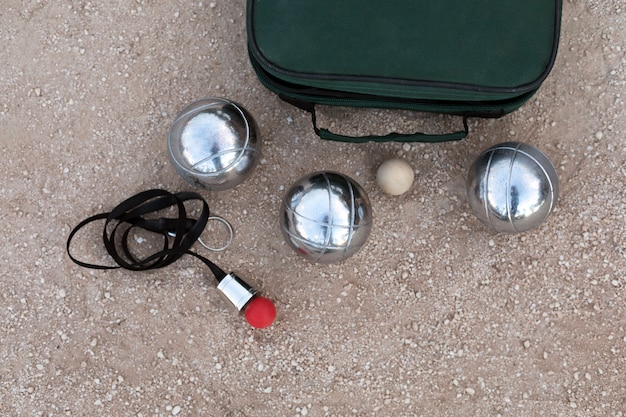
{"x": 435, "y": 316}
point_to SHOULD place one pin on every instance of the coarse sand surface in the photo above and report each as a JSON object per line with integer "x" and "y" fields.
{"x": 435, "y": 316}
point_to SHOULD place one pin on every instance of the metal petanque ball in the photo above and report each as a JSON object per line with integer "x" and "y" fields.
{"x": 512, "y": 187}
{"x": 213, "y": 143}
{"x": 326, "y": 217}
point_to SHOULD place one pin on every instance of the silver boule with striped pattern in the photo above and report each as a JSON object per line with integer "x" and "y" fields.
{"x": 512, "y": 187}
{"x": 326, "y": 217}
{"x": 213, "y": 143}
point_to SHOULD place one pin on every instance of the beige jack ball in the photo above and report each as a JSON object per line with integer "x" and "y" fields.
{"x": 395, "y": 176}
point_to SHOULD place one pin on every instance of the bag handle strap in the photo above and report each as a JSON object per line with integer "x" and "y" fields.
{"x": 391, "y": 137}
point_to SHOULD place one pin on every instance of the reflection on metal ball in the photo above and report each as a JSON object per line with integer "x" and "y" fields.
{"x": 326, "y": 217}
{"x": 213, "y": 143}
{"x": 512, "y": 187}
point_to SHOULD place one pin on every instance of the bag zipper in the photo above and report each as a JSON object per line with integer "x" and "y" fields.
{"x": 327, "y": 97}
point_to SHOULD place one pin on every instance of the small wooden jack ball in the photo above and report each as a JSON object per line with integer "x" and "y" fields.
{"x": 395, "y": 176}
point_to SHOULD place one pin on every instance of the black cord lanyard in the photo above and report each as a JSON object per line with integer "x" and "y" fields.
{"x": 182, "y": 231}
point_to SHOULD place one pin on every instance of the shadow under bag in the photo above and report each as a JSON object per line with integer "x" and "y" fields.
{"x": 480, "y": 58}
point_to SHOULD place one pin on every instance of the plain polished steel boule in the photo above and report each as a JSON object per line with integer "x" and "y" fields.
{"x": 512, "y": 187}
{"x": 326, "y": 217}
{"x": 213, "y": 143}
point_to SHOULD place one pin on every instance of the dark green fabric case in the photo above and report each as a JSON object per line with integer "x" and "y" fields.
{"x": 480, "y": 58}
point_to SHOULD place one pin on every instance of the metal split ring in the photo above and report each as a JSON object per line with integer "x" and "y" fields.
{"x": 230, "y": 235}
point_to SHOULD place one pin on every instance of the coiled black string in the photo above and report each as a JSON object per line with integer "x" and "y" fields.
{"x": 179, "y": 233}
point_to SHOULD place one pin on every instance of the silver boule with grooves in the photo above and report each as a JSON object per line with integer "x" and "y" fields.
{"x": 213, "y": 143}
{"x": 512, "y": 187}
{"x": 326, "y": 217}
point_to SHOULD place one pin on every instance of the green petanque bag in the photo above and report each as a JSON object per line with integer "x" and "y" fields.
{"x": 480, "y": 58}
